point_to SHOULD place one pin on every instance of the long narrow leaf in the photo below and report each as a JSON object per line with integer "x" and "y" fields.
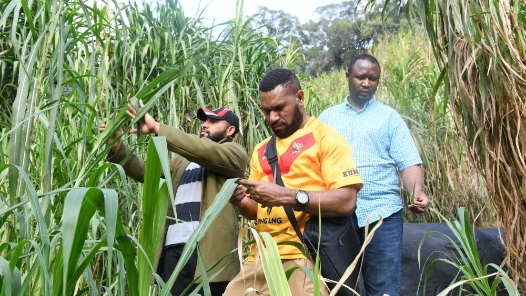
{"x": 208, "y": 217}
{"x": 154, "y": 205}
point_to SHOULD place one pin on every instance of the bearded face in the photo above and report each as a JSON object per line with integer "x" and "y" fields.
{"x": 214, "y": 136}
{"x": 283, "y": 130}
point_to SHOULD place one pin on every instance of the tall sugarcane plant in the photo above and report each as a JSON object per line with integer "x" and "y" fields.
{"x": 70, "y": 222}
{"x": 480, "y": 47}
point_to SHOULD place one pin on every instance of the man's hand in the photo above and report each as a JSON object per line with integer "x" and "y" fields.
{"x": 268, "y": 194}
{"x": 420, "y": 203}
{"x": 413, "y": 179}
{"x": 238, "y": 195}
{"x": 114, "y": 139}
{"x": 265, "y": 193}
{"x": 247, "y": 207}
{"x": 148, "y": 124}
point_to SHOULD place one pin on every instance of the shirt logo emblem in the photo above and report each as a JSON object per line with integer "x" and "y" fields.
{"x": 296, "y": 147}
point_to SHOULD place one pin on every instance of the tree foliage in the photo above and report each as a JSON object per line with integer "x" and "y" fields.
{"x": 341, "y": 31}
{"x": 279, "y": 24}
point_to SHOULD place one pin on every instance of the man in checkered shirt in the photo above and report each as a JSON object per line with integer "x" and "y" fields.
{"x": 382, "y": 147}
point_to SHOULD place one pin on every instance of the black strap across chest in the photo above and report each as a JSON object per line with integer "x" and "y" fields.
{"x": 272, "y": 158}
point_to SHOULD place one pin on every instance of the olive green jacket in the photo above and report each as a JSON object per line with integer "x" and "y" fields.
{"x": 220, "y": 161}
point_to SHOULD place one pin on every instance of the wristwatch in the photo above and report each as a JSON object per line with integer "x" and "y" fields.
{"x": 302, "y": 198}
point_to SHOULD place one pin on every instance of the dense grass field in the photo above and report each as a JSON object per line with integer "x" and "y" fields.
{"x": 72, "y": 223}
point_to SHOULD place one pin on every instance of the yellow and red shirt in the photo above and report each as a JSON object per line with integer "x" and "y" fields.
{"x": 314, "y": 158}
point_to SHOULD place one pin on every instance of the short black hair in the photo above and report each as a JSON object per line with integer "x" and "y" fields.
{"x": 362, "y": 56}
{"x": 283, "y": 77}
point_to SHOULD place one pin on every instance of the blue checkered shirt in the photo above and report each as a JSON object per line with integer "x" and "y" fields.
{"x": 381, "y": 145}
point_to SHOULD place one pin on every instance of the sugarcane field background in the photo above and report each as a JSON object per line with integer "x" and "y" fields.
{"x": 72, "y": 224}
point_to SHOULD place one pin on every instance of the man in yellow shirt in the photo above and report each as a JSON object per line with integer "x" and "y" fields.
{"x": 317, "y": 169}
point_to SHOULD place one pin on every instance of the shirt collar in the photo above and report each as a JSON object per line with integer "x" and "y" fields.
{"x": 351, "y": 107}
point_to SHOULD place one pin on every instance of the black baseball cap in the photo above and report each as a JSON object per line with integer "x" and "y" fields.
{"x": 220, "y": 113}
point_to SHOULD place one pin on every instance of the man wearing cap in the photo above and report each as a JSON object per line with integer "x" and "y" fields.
{"x": 202, "y": 165}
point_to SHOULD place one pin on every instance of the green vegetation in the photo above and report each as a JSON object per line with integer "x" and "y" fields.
{"x": 471, "y": 271}
{"x": 72, "y": 224}
{"x": 479, "y": 47}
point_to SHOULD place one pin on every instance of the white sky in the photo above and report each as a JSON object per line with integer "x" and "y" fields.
{"x": 223, "y": 10}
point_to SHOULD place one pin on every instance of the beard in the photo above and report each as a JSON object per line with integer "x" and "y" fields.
{"x": 216, "y": 137}
{"x": 292, "y": 127}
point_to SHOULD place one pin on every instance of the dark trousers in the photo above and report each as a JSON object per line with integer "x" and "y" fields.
{"x": 169, "y": 258}
{"x": 382, "y": 261}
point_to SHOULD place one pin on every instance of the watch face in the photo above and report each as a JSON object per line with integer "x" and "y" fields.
{"x": 302, "y": 197}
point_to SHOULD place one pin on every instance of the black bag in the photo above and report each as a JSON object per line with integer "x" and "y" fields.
{"x": 339, "y": 243}
{"x": 339, "y": 246}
